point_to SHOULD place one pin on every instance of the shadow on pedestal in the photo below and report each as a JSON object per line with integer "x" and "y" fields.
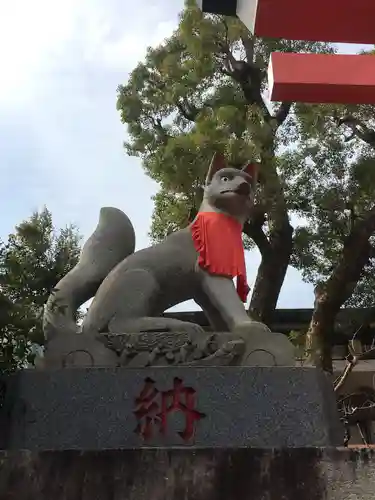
{"x": 247, "y": 474}
{"x": 162, "y": 475}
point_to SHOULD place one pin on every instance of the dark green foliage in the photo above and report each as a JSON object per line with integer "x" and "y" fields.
{"x": 33, "y": 259}
{"x": 330, "y": 184}
{"x": 191, "y": 97}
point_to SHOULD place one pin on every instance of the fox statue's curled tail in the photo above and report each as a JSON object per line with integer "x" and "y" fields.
{"x": 111, "y": 242}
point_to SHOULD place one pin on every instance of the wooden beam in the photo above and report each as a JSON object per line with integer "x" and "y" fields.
{"x": 322, "y": 78}
{"x": 345, "y": 21}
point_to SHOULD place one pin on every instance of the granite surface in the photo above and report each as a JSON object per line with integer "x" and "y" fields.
{"x": 210, "y": 474}
{"x": 101, "y": 409}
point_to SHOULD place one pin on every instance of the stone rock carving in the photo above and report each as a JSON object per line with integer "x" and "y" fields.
{"x": 131, "y": 290}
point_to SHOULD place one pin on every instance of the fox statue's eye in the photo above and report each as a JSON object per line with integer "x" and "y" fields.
{"x": 225, "y": 179}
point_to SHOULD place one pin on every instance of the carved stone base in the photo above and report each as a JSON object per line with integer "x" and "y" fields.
{"x": 73, "y": 350}
{"x": 271, "y": 349}
{"x": 189, "y": 345}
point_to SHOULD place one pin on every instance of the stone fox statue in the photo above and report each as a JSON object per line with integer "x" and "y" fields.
{"x": 198, "y": 262}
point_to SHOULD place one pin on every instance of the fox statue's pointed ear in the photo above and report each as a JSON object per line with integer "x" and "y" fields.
{"x": 252, "y": 169}
{"x": 217, "y": 163}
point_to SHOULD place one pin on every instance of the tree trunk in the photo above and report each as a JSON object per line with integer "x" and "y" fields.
{"x": 271, "y": 273}
{"x": 277, "y": 248}
{"x": 331, "y": 295}
{"x": 319, "y": 334}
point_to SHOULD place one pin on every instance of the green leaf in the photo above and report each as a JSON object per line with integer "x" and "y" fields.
{"x": 33, "y": 259}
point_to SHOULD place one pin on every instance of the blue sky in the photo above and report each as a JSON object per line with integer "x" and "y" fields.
{"x": 60, "y": 134}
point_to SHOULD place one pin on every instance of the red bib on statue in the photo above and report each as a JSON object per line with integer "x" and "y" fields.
{"x": 218, "y": 240}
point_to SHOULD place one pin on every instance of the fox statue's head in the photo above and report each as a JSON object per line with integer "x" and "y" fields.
{"x": 230, "y": 190}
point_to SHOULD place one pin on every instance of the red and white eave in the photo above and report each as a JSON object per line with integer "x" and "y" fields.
{"x": 312, "y": 78}
{"x": 336, "y": 21}
{"x": 322, "y": 78}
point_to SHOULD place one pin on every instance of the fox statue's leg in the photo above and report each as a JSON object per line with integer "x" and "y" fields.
{"x": 124, "y": 295}
{"x": 223, "y": 296}
{"x": 263, "y": 348}
{"x": 129, "y": 301}
{"x": 214, "y": 316}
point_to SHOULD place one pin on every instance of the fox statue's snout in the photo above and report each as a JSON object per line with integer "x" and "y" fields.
{"x": 230, "y": 190}
{"x": 243, "y": 189}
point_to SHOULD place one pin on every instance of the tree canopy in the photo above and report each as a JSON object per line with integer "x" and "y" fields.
{"x": 199, "y": 92}
{"x": 331, "y": 178}
{"x": 204, "y": 90}
{"x": 33, "y": 259}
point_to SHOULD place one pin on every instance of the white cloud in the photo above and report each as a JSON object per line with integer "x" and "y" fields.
{"x": 30, "y": 33}
{"x": 61, "y": 64}
{"x": 33, "y": 35}
{"x": 352, "y": 48}
{"x": 110, "y": 51}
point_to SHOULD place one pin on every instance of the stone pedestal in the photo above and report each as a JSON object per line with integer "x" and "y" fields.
{"x": 213, "y": 407}
{"x": 167, "y": 434}
{"x": 210, "y": 474}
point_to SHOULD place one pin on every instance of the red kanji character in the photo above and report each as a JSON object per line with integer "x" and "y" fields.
{"x": 182, "y": 399}
{"x": 149, "y": 413}
{"x": 146, "y": 409}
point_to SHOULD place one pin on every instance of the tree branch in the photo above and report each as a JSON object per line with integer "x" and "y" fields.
{"x": 364, "y": 226}
{"x": 248, "y": 75}
{"x": 225, "y": 72}
{"x": 187, "y": 110}
{"x": 257, "y": 234}
{"x": 159, "y": 129}
{"x": 229, "y": 59}
{"x": 358, "y": 129}
{"x": 282, "y": 113}
{"x": 253, "y": 229}
{"x": 352, "y": 360}
{"x": 226, "y": 31}
{"x": 356, "y": 253}
{"x": 248, "y": 45}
